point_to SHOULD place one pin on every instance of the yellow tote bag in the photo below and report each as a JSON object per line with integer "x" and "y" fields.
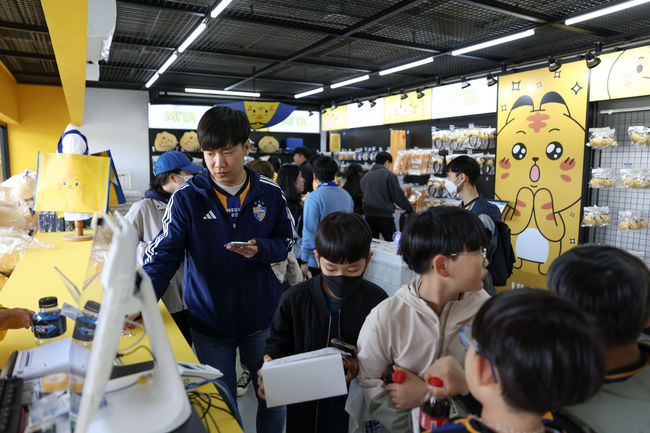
{"x": 72, "y": 183}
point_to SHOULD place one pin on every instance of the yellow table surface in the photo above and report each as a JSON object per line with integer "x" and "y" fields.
{"x": 35, "y": 277}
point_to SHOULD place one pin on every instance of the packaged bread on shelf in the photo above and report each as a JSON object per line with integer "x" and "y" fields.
{"x": 13, "y": 244}
{"x": 602, "y": 138}
{"x": 190, "y": 142}
{"x": 639, "y": 135}
{"x": 635, "y": 178}
{"x": 602, "y": 177}
{"x": 165, "y": 142}
{"x": 631, "y": 220}
{"x": 268, "y": 144}
{"x": 596, "y": 216}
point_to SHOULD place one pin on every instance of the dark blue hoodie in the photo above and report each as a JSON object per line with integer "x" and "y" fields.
{"x": 228, "y": 295}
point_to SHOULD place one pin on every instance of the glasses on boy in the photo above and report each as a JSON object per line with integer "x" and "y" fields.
{"x": 467, "y": 342}
{"x": 483, "y": 252}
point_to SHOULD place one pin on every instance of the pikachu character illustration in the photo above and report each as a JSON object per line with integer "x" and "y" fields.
{"x": 540, "y": 154}
{"x": 334, "y": 118}
{"x": 627, "y": 74}
{"x": 398, "y": 109}
{"x": 70, "y": 182}
{"x": 260, "y": 113}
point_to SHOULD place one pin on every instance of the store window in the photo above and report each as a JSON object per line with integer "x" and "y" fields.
{"x": 4, "y": 153}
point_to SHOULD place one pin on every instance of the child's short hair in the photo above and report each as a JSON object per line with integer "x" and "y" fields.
{"x": 222, "y": 127}
{"x": 545, "y": 349}
{"x": 610, "y": 284}
{"x": 262, "y": 167}
{"x": 465, "y": 165}
{"x": 343, "y": 237}
{"x": 325, "y": 168}
{"x": 382, "y": 157}
{"x": 440, "y": 230}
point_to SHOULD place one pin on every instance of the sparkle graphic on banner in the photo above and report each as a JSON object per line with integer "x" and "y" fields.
{"x": 573, "y": 214}
{"x": 573, "y": 241}
{"x": 539, "y": 84}
{"x": 515, "y": 85}
{"x": 504, "y": 108}
{"x": 576, "y": 88}
{"x": 557, "y": 74}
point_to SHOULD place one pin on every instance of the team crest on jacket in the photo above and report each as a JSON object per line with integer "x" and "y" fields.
{"x": 259, "y": 211}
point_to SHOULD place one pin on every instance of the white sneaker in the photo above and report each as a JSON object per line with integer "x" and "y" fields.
{"x": 242, "y": 383}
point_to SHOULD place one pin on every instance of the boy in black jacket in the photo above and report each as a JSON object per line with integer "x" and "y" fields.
{"x": 331, "y": 305}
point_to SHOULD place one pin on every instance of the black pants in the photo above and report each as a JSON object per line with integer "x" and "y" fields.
{"x": 182, "y": 321}
{"x": 381, "y": 225}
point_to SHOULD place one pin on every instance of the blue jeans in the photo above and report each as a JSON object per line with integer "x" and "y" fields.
{"x": 220, "y": 353}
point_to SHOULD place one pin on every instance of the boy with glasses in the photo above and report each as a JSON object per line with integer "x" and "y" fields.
{"x": 548, "y": 355}
{"x": 445, "y": 246}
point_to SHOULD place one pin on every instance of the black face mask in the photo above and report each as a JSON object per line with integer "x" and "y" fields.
{"x": 343, "y": 286}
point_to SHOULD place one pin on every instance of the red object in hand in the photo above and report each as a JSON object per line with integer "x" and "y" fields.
{"x": 434, "y": 412}
{"x": 398, "y": 376}
{"x": 391, "y": 375}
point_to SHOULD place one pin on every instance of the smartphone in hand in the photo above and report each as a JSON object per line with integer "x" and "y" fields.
{"x": 238, "y": 244}
{"x": 347, "y": 348}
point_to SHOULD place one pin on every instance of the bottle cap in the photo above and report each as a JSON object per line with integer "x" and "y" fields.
{"x": 92, "y": 306}
{"x": 436, "y": 381}
{"x": 48, "y": 302}
{"x": 398, "y": 376}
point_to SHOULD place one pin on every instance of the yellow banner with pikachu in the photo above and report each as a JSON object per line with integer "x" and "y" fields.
{"x": 72, "y": 183}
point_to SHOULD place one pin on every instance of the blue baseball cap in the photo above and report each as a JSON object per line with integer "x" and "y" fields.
{"x": 174, "y": 160}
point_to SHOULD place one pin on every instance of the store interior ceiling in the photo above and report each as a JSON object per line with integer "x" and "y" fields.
{"x": 280, "y": 48}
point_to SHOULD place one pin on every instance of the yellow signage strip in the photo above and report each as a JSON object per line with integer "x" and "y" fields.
{"x": 68, "y": 25}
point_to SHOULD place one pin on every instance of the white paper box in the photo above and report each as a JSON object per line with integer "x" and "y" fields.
{"x": 304, "y": 377}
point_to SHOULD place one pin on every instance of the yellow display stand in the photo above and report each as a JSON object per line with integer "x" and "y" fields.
{"x": 35, "y": 277}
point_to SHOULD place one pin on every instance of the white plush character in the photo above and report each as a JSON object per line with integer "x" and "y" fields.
{"x": 73, "y": 141}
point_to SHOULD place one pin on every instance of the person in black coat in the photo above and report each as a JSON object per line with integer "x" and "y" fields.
{"x": 331, "y": 305}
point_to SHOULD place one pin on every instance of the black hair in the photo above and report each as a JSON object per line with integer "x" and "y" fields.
{"x": 302, "y": 150}
{"x": 382, "y": 157}
{"x": 222, "y": 127}
{"x": 465, "y": 165}
{"x": 610, "y": 284}
{"x": 275, "y": 162}
{"x": 546, "y": 350}
{"x": 325, "y": 168}
{"x": 286, "y": 179}
{"x": 343, "y": 237}
{"x": 262, "y": 167}
{"x": 159, "y": 180}
{"x": 352, "y": 185}
{"x": 440, "y": 230}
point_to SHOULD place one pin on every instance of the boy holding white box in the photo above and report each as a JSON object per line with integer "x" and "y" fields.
{"x": 331, "y": 305}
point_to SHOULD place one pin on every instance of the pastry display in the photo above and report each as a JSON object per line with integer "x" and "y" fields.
{"x": 190, "y": 142}
{"x": 602, "y": 138}
{"x": 165, "y": 141}
{"x": 602, "y": 178}
{"x": 639, "y": 135}
{"x": 596, "y": 216}
{"x": 631, "y": 220}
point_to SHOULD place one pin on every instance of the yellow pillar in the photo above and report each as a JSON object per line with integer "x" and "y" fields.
{"x": 8, "y": 101}
{"x": 67, "y": 22}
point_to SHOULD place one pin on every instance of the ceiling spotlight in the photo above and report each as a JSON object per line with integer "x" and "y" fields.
{"x": 359, "y": 103}
{"x": 592, "y": 60}
{"x": 465, "y": 83}
{"x": 311, "y": 113}
{"x": 404, "y": 95}
{"x": 323, "y": 109}
{"x": 554, "y": 64}
{"x": 372, "y": 103}
{"x": 420, "y": 93}
{"x": 491, "y": 80}
{"x": 333, "y": 105}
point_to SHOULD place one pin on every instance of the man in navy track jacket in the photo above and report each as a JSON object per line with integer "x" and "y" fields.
{"x": 231, "y": 292}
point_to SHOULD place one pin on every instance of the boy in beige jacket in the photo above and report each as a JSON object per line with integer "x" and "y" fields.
{"x": 445, "y": 246}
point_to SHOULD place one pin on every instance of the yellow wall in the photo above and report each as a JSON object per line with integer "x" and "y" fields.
{"x": 8, "y": 104}
{"x": 43, "y": 115}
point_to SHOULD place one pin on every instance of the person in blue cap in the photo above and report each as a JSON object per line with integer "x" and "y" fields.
{"x": 171, "y": 170}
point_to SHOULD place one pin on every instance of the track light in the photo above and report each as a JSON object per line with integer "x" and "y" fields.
{"x": 334, "y": 105}
{"x": 311, "y": 113}
{"x": 404, "y": 95}
{"x": 372, "y": 103}
{"x": 420, "y": 93}
{"x": 359, "y": 103}
{"x": 491, "y": 80}
{"x": 323, "y": 109}
{"x": 554, "y": 64}
{"x": 465, "y": 83}
{"x": 592, "y": 60}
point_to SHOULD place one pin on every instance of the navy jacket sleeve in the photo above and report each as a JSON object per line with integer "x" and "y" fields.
{"x": 276, "y": 248}
{"x": 166, "y": 252}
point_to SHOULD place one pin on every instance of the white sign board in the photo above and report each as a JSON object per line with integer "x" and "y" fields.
{"x": 299, "y": 121}
{"x": 366, "y": 115}
{"x": 454, "y": 101}
{"x": 175, "y": 116}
